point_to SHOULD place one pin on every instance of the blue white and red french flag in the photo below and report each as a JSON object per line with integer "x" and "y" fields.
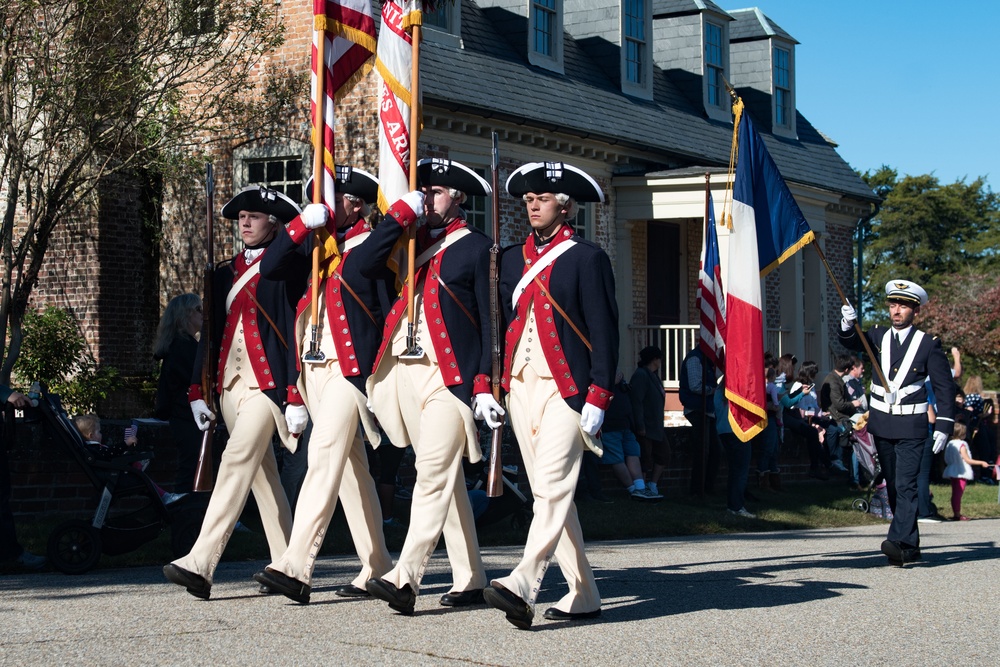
{"x": 767, "y": 228}
{"x": 711, "y": 297}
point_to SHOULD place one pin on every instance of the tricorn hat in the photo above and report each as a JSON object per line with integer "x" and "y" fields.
{"x": 351, "y": 181}
{"x": 905, "y": 291}
{"x": 556, "y": 177}
{"x": 260, "y": 199}
{"x": 450, "y": 174}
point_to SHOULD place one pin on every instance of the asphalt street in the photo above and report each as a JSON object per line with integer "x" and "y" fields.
{"x": 818, "y": 597}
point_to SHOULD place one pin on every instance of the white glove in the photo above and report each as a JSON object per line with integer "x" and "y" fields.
{"x": 485, "y": 407}
{"x": 848, "y": 317}
{"x": 315, "y": 216}
{"x": 940, "y": 440}
{"x": 202, "y": 415}
{"x": 408, "y": 208}
{"x": 296, "y": 418}
{"x": 591, "y": 418}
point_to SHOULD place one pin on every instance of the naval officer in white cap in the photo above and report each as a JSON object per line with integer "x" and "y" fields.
{"x": 898, "y": 415}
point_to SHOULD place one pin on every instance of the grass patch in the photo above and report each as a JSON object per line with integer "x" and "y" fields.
{"x": 800, "y": 506}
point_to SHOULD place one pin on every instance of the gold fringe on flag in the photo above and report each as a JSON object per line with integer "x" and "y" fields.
{"x": 727, "y": 203}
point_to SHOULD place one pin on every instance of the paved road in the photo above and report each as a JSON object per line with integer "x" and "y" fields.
{"x": 820, "y": 597}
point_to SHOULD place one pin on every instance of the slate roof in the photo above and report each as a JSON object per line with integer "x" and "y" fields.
{"x": 491, "y": 77}
{"x": 682, "y": 7}
{"x": 753, "y": 24}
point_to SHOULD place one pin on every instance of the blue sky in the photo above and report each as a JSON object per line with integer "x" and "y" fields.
{"x": 914, "y": 85}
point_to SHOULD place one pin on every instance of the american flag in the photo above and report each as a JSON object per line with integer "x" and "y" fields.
{"x": 349, "y": 31}
{"x": 711, "y": 299}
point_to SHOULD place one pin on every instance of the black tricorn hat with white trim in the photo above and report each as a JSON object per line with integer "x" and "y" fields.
{"x": 905, "y": 291}
{"x": 351, "y": 181}
{"x": 450, "y": 174}
{"x": 260, "y": 199}
{"x": 555, "y": 177}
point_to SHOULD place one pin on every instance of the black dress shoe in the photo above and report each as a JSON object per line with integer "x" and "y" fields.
{"x": 195, "y": 584}
{"x": 518, "y": 612}
{"x": 264, "y": 589}
{"x": 899, "y": 554}
{"x": 279, "y": 582}
{"x": 351, "y": 591}
{"x": 554, "y": 614}
{"x": 463, "y": 598}
{"x": 401, "y": 599}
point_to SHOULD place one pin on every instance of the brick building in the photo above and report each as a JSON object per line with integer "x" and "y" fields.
{"x": 629, "y": 90}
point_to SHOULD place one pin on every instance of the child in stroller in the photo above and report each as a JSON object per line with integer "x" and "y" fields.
{"x": 876, "y": 498}
{"x": 90, "y": 428}
{"x": 129, "y": 512}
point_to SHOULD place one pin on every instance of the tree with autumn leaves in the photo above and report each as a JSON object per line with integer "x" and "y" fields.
{"x": 946, "y": 238}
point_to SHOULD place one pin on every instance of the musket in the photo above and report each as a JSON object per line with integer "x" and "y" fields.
{"x": 494, "y": 476}
{"x": 204, "y": 477}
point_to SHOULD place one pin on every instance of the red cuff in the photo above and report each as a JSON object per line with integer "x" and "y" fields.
{"x": 402, "y": 213}
{"x": 294, "y": 397}
{"x": 194, "y": 393}
{"x": 599, "y": 397}
{"x": 481, "y": 384}
{"x": 297, "y": 231}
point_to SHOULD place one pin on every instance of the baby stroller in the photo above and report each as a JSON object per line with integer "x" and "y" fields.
{"x": 129, "y": 510}
{"x": 876, "y": 500}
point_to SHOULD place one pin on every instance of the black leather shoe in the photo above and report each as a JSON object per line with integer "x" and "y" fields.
{"x": 518, "y": 612}
{"x": 264, "y": 589}
{"x": 279, "y": 582}
{"x": 899, "y": 554}
{"x": 351, "y": 591}
{"x": 401, "y": 599}
{"x": 554, "y": 614}
{"x": 463, "y": 598}
{"x": 195, "y": 584}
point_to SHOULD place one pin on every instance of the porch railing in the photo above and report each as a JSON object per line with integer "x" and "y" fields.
{"x": 676, "y": 340}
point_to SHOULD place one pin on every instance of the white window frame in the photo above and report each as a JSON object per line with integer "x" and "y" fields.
{"x": 583, "y": 221}
{"x": 644, "y": 87}
{"x": 786, "y": 128}
{"x": 719, "y": 110}
{"x": 552, "y": 61}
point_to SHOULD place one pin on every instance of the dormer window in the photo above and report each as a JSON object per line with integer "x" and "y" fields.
{"x": 637, "y": 66}
{"x": 444, "y": 24}
{"x": 714, "y": 64}
{"x": 545, "y": 28}
{"x": 782, "y": 88}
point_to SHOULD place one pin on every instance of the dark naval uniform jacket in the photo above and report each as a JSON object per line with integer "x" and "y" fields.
{"x": 574, "y": 299}
{"x": 354, "y": 310}
{"x": 908, "y": 418}
{"x": 454, "y": 288}
{"x": 273, "y": 362}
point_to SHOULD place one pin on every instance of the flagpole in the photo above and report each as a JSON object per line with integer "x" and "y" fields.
{"x": 857, "y": 324}
{"x": 319, "y": 126}
{"x": 411, "y": 245}
{"x": 699, "y": 485}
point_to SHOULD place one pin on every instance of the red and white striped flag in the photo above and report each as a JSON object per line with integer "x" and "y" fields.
{"x": 349, "y": 30}
{"x": 711, "y": 298}
{"x": 395, "y": 68}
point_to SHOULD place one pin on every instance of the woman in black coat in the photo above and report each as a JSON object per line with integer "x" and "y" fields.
{"x": 176, "y": 345}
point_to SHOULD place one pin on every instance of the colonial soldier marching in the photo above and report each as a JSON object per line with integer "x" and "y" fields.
{"x": 559, "y": 366}
{"x": 253, "y": 324}
{"x": 898, "y": 413}
{"x": 421, "y": 387}
{"x": 350, "y": 320}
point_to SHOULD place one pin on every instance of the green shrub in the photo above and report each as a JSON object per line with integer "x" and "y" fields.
{"x": 54, "y": 351}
